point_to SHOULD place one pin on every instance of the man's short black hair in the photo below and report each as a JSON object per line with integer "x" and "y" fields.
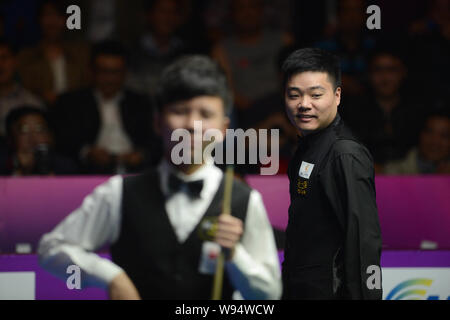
{"x": 18, "y": 113}
{"x": 192, "y": 76}
{"x": 315, "y": 60}
{"x": 391, "y": 47}
{"x": 436, "y": 112}
{"x": 108, "y": 47}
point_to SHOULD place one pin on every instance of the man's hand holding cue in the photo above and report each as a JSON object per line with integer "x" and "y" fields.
{"x": 229, "y": 231}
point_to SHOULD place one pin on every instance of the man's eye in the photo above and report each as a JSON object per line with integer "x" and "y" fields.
{"x": 206, "y": 115}
{"x": 292, "y": 96}
{"x": 316, "y": 96}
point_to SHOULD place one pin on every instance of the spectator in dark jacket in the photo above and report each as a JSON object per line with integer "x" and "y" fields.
{"x": 106, "y": 127}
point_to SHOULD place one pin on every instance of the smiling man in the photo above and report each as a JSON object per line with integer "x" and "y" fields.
{"x": 333, "y": 234}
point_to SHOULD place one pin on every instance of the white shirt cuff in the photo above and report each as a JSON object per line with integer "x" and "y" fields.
{"x": 105, "y": 271}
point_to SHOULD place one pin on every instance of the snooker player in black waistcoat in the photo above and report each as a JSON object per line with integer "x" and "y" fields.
{"x": 333, "y": 237}
{"x": 156, "y": 222}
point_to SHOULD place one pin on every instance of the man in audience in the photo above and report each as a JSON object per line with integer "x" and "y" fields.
{"x": 106, "y": 127}
{"x": 349, "y": 38}
{"x": 12, "y": 94}
{"x": 387, "y": 119}
{"x": 30, "y": 145}
{"x": 54, "y": 65}
{"x": 432, "y": 155}
{"x": 158, "y": 46}
{"x": 248, "y": 54}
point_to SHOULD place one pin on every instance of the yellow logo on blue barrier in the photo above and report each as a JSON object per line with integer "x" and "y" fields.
{"x": 414, "y": 289}
{"x": 416, "y": 283}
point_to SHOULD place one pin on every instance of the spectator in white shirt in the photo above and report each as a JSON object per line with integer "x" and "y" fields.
{"x": 106, "y": 127}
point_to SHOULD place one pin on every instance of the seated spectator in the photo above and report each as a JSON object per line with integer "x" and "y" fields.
{"x": 158, "y": 46}
{"x": 54, "y": 65}
{"x": 432, "y": 155}
{"x": 387, "y": 119}
{"x": 106, "y": 127}
{"x": 350, "y": 41}
{"x": 30, "y": 145}
{"x": 248, "y": 54}
{"x": 12, "y": 94}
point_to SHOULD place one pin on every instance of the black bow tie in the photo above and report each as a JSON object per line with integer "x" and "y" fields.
{"x": 193, "y": 188}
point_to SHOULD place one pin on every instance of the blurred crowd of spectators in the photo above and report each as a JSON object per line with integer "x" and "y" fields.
{"x": 80, "y": 101}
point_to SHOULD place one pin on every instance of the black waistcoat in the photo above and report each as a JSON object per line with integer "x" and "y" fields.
{"x": 313, "y": 263}
{"x": 149, "y": 251}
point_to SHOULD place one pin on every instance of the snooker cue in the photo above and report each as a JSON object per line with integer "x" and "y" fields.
{"x": 226, "y": 209}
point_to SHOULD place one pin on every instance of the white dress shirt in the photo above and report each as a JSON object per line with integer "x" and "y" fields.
{"x": 254, "y": 269}
{"x": 112, "y": 136}
{"x": 58, "y": 67}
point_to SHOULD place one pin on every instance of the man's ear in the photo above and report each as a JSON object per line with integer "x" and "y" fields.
{"x": 337, "y": 94}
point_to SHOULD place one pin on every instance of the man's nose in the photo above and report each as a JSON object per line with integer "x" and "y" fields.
{"x": 303, "y": 108}
{"x": 304, "y": 104}
{"x": 191, "y": 121}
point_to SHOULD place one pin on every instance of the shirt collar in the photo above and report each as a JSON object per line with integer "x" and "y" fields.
{"x": 115, "y": 99}
{"x": 207, "y": 171}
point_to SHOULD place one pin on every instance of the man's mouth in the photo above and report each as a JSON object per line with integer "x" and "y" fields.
{"x": 305, "y": 116}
